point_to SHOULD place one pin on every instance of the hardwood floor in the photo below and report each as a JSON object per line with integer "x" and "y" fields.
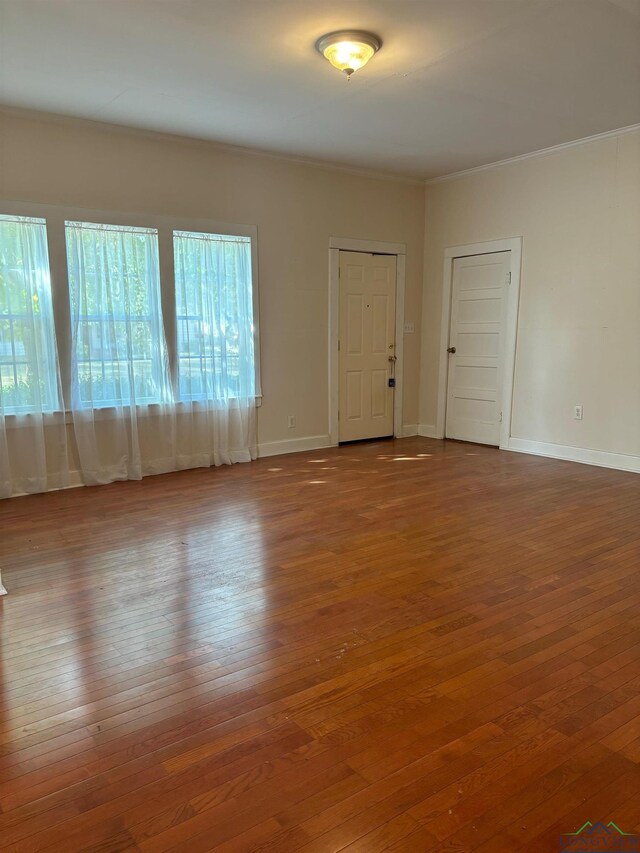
{"x": 408, "y": 646}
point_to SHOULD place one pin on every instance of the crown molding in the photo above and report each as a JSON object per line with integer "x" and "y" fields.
{"x": 240, "y": 150}
{"x": 209, "y": 144}
{"x": 542, "y": 152}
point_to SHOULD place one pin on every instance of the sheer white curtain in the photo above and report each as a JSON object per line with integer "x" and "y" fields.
{"x": 122, "y": 401}
{"x": 216, "y": 412}
{"x": 33, "y": 440}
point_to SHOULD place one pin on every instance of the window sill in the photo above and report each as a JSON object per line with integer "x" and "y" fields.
{"x": 20, "y": 420}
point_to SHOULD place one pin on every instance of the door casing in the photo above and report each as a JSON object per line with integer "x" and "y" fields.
{"x": 348, "y": 244}
{"x": 513, "y": 245}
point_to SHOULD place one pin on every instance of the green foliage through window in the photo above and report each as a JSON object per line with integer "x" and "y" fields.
{"x": 214, "y": 314}
{"x": 28, "y": 369}
{"x": 119, "y": 355}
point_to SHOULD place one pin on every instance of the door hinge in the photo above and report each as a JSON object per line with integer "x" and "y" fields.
{"x": 500, "y": 418}
{"x": 509, "y": 278}
{"x": 338, "y": 346}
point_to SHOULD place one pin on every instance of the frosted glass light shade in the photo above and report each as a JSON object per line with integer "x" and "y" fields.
{"x": 348, "y": 50}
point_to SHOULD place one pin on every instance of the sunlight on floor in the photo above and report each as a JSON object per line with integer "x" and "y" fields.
{"x": 405, "y": 458}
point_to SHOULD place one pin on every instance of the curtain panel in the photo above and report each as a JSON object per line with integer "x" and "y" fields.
{"x": 215, "y": 358}
{"x": 33, "y": 436}
{"x": 119, "y": 364}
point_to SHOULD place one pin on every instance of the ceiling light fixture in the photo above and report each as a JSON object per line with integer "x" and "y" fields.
{"x": 348, "y": 50}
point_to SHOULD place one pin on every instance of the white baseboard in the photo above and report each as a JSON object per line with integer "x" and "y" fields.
{"x": 407, "y": 430}
{"x": 428, "y": 431}
{"x": 604, "y": 459}
{"x": 293, "y": 445}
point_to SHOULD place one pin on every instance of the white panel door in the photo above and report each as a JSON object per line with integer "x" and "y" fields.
{"x": 476, "y": 347}
{"x": 367, "y": 344}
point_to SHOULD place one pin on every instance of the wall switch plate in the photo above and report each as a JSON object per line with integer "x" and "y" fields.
{"x": 577, "y": 413}
{"x": 291, "y": 421}
{"x": 409, "y": 328}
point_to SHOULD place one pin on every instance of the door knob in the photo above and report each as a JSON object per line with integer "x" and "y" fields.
{"x": 451, "y": 350}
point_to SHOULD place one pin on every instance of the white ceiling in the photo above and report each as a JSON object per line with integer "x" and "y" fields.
{"x": 457, "y": 84}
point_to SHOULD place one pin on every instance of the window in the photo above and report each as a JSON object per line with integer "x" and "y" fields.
{"x": 214, "y": 316}
{"x": 118, "y": 345}
{"x": 29, "y": 379}
{"x": 111, "y": 326}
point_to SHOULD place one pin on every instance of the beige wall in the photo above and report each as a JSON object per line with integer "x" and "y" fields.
{"x": 296, "y": 207}
{"x": 578, "y": 211}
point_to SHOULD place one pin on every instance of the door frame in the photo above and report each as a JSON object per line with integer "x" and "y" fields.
{"x": 378, "y": 247}
{"x": 510, "y": 244}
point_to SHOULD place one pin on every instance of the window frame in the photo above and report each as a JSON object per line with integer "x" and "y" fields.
{"x": 156, "y": 360}
{"x": 220, "y": 239}
{"x": 56, "y": 216}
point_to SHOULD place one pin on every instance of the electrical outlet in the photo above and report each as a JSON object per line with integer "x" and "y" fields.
{"x": 409, "y": 328}
{"x": 291, "y": 421}
{"x": 577, "y": 413}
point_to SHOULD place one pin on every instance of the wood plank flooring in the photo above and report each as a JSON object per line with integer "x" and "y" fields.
{"x": 407, "y": 645}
